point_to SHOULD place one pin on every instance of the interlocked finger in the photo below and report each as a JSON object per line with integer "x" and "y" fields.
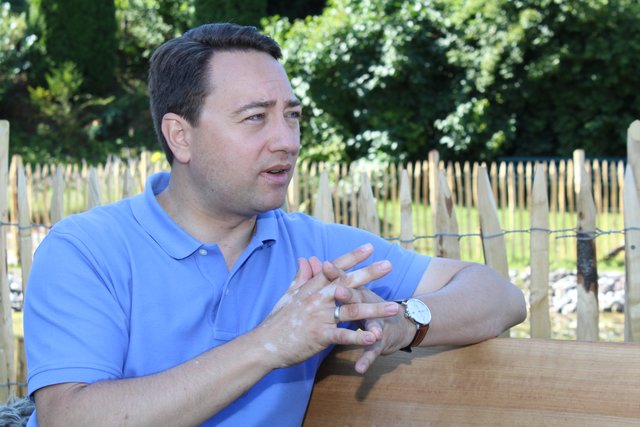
{"x": 353, "y": 258}
{"x": 359, "y": 277}
{"x": 363, "y": 311}
{"x": 336, "y": 314}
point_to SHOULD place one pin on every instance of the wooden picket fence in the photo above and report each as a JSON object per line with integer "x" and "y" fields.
{"x": 487, "y": 213}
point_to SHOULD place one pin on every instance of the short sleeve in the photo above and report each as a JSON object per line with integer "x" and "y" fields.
{"x": 408, "y": 266}
{"x": 75, "y": 326}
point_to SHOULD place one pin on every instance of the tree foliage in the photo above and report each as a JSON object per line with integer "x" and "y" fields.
{"x": 383, "y": 79}
{"x": 543, "y": 77}
{"x": 82, "y": 32}
{"x": 247, "y": 12}
{"x": 14, "y": 46}
{"x": 69, "y": 124}
{"x": 373, "y": 76}
{"x": 474, "y": 78}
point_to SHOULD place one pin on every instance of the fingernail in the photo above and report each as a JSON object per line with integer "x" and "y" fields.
{"x": 369, "y": 338}
{"x": 384, "y": 265}
{"x": 391, "y": 308}
{"x": 365, "y": 248}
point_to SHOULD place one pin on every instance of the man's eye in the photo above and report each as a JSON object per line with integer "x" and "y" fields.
{"x": 295, "y": 114}
{"x": 255, "y": 117}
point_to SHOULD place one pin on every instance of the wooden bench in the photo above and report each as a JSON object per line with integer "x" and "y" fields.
{"x": 503, "y": 381}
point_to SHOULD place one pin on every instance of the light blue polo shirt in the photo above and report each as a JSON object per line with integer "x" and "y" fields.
{"x": 122, "y": 291}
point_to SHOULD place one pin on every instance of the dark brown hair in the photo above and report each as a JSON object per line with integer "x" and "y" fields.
{"x": 178, "y": 78}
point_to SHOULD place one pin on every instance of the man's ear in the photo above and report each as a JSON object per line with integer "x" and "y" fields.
{"x": 176, "y": 131}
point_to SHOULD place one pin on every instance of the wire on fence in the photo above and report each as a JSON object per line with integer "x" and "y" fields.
{"x": 572, "y": 233}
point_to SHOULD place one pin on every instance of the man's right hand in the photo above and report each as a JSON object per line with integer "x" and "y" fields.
{"x": 303, "y": 324}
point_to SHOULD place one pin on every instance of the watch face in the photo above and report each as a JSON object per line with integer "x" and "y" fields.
{"x": 418, "y": 311}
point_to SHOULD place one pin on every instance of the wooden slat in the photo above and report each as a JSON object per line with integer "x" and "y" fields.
{"x": 353, "y": 176}
{"x": 426, "y": 220}
{"x": 587, "y": 266}
{"x": 500, "y": 382}
{"x": 539, "y": 245}
{"x": 493, "y": 173}
{"x": 406, "y": 212}
{"x": 633, "y": 150}
{"x": 447, "y": 244}
{"x": 367, "y": 212}
{"x": 469, "y": 191}
{"x": 520, "y": 209}
{"x": 323, "y": 208}
{"x": 384, "y": 197}
{"x": 337, "y": 204}
{"x": 434, "y": 160}
{"x": 129, "y": 184}
{"x": 493, "y": 243}
{"x": 390, "y": 216}
{"x": 632, "y": 258}
{"x": 512, "y": 204}
{"x": 95, "y": 195}
{"x": 7, "y": 367}
{"x": 24, "y": 229}
{"x": 503, "y": 203}
{"x": 57, "y": 198}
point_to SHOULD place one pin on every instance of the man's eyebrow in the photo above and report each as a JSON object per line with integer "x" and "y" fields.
{"x": 265, "y": 104}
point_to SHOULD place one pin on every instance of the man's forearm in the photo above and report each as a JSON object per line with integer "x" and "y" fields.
{"x": 185, "y": 395}
{"x": 476, "y": 304}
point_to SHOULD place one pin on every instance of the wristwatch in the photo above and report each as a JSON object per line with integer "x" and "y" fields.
{"x": 418, "y": 312}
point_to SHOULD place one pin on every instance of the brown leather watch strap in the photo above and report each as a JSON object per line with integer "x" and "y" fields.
{"x": 420, "y": 334}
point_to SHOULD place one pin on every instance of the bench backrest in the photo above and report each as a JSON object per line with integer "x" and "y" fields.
{"x": 503, "y": 381}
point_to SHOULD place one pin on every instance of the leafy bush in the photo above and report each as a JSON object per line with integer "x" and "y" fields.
{"x": 70, "y": 123}
{"x": 476, "y": 79}
{"x": 14, "y": 45}
{"x": 373, "y": 76}
{"x": 543, "y": 77}
{"x": 247, "y": 12}
{"x": 82, "y": 32}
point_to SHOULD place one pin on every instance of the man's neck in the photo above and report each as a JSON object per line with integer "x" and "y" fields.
{"x": 232, "y": 233}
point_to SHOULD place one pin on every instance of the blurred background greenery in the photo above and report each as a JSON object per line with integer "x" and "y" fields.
{"x": 380, "y": 79}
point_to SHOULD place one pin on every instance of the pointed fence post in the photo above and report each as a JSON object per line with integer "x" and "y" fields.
{"x": 631, "y": 258}
{"x": 633, "y": 150}
{"x": 24, "y": 229}
{"x": 406, "y": 212}
{"x": 434, "y": 161}
{"x": 493, "y": 244}
{"x": 57, "y": 198}
{"x": 587, "y": 311}
{"x": 95, "y": 199}
{"x": 7, "y": 366}
{"x": 447, "y": 243}
{"x": 293, "y": 192}
{"x": 367, "y": 211}
{"x": 129, "y": 185}
{"x": 632, "y": 234}
{"x": 323, "y": 208}
{"x": 539, "y": 293}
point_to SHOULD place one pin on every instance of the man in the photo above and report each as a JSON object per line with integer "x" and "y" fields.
{"x": 177, "y": 307}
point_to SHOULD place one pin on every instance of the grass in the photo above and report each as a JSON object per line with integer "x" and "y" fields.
{"x": 563, "y": 327}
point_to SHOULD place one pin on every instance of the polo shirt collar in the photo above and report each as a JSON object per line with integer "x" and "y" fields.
{"x": 172, "y": 238}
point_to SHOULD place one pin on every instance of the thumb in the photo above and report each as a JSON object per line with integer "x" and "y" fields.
{"x": 305, "y": 272}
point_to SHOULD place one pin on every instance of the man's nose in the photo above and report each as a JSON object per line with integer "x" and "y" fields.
{"x": 285, "y": 136}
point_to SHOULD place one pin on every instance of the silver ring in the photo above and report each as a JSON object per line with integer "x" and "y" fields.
{"x": 336, "y": 314}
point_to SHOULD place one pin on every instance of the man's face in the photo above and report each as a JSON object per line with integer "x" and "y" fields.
{"x": 246, "y": 144}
